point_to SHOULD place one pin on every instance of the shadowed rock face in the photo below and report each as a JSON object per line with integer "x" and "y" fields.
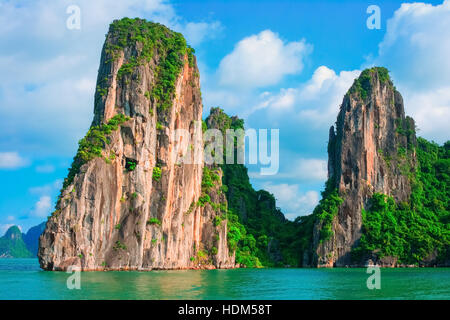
{"x": 363, "y": 150}
{"x": 117, "y": 213}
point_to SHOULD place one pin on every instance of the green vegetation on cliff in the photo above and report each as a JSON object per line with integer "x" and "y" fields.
{"x": 12, "y": 244}
{"x": 362, "y": 85}
{"x": 257, "y": 230}
{"x": 155, "y": 40}
{"x": 92, "y": 145}
{"x": 418, "y": 230}
{"x": 327, "y": 209}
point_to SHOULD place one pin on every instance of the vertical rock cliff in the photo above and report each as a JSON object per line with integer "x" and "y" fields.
{"x": 133, "y": 196}
{"x": 365, "y": 157}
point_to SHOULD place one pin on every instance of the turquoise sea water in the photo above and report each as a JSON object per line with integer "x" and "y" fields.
{"x": 23, "y": 279}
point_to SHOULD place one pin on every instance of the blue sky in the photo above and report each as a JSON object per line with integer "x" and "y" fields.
{"x": 277, "y": 64}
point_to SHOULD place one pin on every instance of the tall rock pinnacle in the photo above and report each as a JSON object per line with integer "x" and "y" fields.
{"x": 371, "y": 132}
{"x": 128, "y": 202}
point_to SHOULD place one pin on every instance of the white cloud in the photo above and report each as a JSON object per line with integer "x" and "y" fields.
{"x": 314, "y": 103}
{"x": 431, "y": 111}
{"x": 11, "y": 160}
{"x": 416, "y": 48}
{"x": 283, "y": 100}
{"x": 320, "y": 98}
{"x": 311, "y": 169}
{"x": 417, "y": 44}
{"x": 197, "y": 32}
{"x": 293, "y": 202}
{"x": 10, "y": 218}
{"x": 261, "y": 60}
{"x": 42, "y": 207}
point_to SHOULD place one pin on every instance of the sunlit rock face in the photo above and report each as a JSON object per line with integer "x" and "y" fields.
{"x": 134, "y": 205}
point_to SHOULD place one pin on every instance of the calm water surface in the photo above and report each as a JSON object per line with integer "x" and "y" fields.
{"x": 23, "y": 279}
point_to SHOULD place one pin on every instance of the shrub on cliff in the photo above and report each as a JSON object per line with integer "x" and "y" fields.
{"x": 419, "y": 229}
{"x": 92, "y": 145}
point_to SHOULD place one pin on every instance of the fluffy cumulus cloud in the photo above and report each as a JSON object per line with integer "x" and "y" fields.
{"x": 416, "y": 48}
{"x": 431, "y": 110}
{"x": 261, "y": 60}
{"x": 315, "y": 102}
{"x": 293, "y": 202}
{"x": 46, "y": 101}
{"x": 310, "y": 169}
{"x": 44, "y": 204}
{"x": 12, "y": 160}
{"x": 42, "y": 207}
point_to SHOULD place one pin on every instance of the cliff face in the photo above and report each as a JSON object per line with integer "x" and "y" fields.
{"x": 130, "y": 200}
{"x": 364, "y": 157}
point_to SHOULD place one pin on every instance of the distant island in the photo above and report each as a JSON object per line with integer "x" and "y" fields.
{"x": 15, "y": 244}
